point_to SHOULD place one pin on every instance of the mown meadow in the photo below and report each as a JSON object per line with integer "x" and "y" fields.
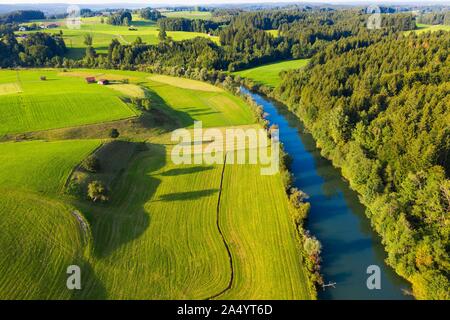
{"x": 31, "y": 104}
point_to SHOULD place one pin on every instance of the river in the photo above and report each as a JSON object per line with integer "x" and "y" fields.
{"x": 337, "y": 218}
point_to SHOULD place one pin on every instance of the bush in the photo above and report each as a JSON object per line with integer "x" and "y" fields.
{"x": 91, "y": 164}
{"x": 312, "y": 246}
{"x": 97, "y": 191}
{"x": 114, "y": 133}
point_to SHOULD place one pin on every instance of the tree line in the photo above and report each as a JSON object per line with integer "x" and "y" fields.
{"x": 36, "y": 49}
{"x": 21, "y": 16}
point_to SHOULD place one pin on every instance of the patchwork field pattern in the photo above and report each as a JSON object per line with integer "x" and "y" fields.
{"x": 168, "y": 232}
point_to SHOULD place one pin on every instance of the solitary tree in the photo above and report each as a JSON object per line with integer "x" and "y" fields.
{"x": 88, "y": 39}
{"x": 162, "y": 34}
{"x": 114, "y": 133}
{"x": 90, "y": 52}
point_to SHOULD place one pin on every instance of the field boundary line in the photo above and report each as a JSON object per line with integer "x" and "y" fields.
{"x": 227, "y": 247}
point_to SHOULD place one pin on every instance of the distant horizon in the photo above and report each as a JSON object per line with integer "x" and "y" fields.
{"x": 223, "y": 2}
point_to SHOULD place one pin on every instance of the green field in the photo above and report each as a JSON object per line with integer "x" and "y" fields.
{"x": 269, "y": 74}
{"x": 163, "y": 234}
{"x": 40, "y": 237}
{"x": 213, "y": 108}
{"x": 104, "y": 33}
{"x": 421, "y": 28}
{"x": 188, "y": 14}
{"x": 60, "y": 101}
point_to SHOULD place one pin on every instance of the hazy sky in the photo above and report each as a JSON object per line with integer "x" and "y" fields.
{"x": 193, "y": 2}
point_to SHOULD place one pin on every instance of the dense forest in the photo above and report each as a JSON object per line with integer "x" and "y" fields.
{"x": 21, "y": 16}
{"x": 35, "y": 49}
{"x": 434, "y": 18}
{"x": 381, "y": 112}
{"x": 189, "y": 25}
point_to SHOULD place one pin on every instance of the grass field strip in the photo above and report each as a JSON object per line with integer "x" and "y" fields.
{"x": 242, "y": 146}
{"x": 227, "y": 247}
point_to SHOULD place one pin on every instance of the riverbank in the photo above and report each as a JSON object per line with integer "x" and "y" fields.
{"x": 337, "y": 217}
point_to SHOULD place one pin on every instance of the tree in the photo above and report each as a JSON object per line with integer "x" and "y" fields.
{"x": 88, "y": 39}
{"x": 114, "y": 133}
{"x": 297, "y": 197}
{"x": 97, "y": 191}
{"x": 90, "y": 52}
{"x": 91, "y": 164}
{"x": 312, "y": 246}
{"x": 162, "y": 34}
{"x": 150, "y": 14}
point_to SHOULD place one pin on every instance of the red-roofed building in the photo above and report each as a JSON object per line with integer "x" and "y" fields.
{"x": 90, "y": 79}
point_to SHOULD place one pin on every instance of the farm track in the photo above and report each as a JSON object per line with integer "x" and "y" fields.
{"x": 227, "y": 247}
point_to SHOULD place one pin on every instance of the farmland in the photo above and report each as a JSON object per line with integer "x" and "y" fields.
{"x": 421, "y": 28}
{"x": 269, "y": 74}
{"x": 30, "y": 104}
{"x": 188, "y": 14}
{"x": 40, "y": 237}
{"x": 158, "y": 236}
{"x": 103, "y": 34}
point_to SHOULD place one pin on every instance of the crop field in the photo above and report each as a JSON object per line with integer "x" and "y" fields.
{"x": 40, "y": 237}
{"x": 269, "y": 74}
{"x": 57, "y": 102}
{"x": 168, "y": 231}
{"x": 214, "y": 108}
{"x": 261, "y": 237}
{"x": 103, "y": 34}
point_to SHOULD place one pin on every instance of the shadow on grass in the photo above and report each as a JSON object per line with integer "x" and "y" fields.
{"x": 91, "y": 286}
{"x": 125, "y": 219}
{"x": 182, "y": 171}
{"x": 183, "y": 119}
{"x": 190, "y": 195}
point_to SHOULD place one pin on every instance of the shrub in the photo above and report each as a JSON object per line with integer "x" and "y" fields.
{"x": 312, "y": 246}
{"x": 114, "y": 133}
{"x": 97, "y": 191}
{"x": 91, "y": 164}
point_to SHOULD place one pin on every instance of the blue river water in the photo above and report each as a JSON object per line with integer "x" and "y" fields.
{"x": 337, "y": 218}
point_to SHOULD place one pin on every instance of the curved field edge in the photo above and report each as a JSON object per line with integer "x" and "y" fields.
{"x": 262, "y": 237}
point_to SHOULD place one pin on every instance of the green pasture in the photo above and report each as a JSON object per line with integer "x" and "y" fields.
{"x": 59, "y": 101}
{"x": 269, "y": 74}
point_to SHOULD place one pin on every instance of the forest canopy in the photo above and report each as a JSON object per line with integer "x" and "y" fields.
{"x": 381, "y": 112}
